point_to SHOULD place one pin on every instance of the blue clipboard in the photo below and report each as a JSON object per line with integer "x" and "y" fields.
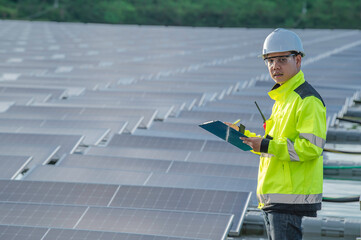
{"x": 227, "y": 133}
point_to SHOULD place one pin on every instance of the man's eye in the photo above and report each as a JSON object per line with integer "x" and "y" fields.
{"x": 270, "y": 61}
{"x": 283, "y": 60}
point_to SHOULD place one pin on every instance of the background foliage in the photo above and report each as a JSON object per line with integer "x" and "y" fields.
{"x": 215, "y": 13}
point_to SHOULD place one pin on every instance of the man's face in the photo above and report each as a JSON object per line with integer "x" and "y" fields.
{"x": 283, "y": 65}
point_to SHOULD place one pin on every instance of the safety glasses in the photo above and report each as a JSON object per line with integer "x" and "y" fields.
{"x": 281, "y": 60}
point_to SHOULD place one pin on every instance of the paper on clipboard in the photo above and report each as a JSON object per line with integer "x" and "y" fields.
{"x": 227, "y": 133}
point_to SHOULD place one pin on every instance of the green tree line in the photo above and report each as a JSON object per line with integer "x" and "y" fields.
{"x": 214, "y": 13}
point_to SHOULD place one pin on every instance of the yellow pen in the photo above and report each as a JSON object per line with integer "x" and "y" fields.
{"x": 236, "y": 121}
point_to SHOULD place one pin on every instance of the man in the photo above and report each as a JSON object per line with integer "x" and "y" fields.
{"x": 290, "y": 174}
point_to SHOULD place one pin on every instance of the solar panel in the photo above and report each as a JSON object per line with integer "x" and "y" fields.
{"x": 160, "y": 154}
{"x": 37, "y": 215}
{"x": 51, "y": 112}
{"x": 151, "y": 111}
{"x": 68, "y": 143}
{"x": 43, "y": 110}
{"x": 120, "y": 163}
{"x": 119, "y": 100}
{"x": 40, "y": 154}
{"x": 204, "y": 182}
{"x": 175, "y": 134}
{"x": 86, "y": 175}
{"x": 107, "y": 122}
{"x": 11, "y": 122}
{"x": 36, "y": 97}
{"x": 149, "y": 165}
{"x": 175, "y": 130}
{"x": 344, "y": 136}
{"x": 157, "y": 222}
{"x": 134, "y": 94}
{"x": 133, "y": 121}
{"x": 203, "y": 116}
{"x": 155, "y": 142}
{"x": 231, "y": 158}
{"x": 73, "y": 234}
{"x": 211, "y": 169}
{"x": 56, "y": 193}
{"x": 11, "y": 166}
{"x": 56, "y": 93}
{"x": 227, "y": 108}
{"x": 92, "y": 136}
{"x": 17, "y": 99}
{"x": 164, "y": 107}
{"x": 148, "y": 114}
{"x": 21, "y": 233}
{"x": 193, "y": 200}
{"x": 114, "y": 126}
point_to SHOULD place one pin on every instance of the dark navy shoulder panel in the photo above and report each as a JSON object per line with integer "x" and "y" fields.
{"x": 306, "y": 90}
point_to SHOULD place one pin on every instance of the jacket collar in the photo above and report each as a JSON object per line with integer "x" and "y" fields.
{"x": 279, "y": 92}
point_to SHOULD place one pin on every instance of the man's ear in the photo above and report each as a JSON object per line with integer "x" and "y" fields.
{"x": 298, "y": 60}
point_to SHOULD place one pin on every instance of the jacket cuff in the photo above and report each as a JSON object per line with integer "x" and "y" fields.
{"x": 264, "y": 145}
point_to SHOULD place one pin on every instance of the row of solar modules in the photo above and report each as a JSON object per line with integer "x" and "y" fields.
{"x": 49, "y": 133}
{"x": 119, "y": 208}
{"x": 44, "y": 117}
{"x": 66, "y": 75}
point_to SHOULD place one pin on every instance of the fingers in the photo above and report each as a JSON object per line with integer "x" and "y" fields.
{"x": 253, "y": 142}
{"x": 246, "y": 141}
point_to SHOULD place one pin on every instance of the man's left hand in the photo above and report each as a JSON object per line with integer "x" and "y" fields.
{"x": 253, "y": 142}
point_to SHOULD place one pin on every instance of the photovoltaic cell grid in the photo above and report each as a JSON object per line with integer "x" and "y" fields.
{"x": 36, "y": 233}
{"x": 40, "y": 154}
{"x": 92, "y": 136}
{"x": 11, "y": 166}
{"x": 151, "y": 142}
{"x": 152, "y": 165}
{"x": 21, "y": 233}
{"x": 83, "y": 194}
{"x": 108, "y": 176}
{"x": 160, "y": 154}
{"x": 87, "y": 175}
{"x": 232, "y": 158}
{"x": 193, "y": 200}
{"x": 205, "y": 182}
{"x": 154, "y": 142}
{"x": 79, "y": 113}
{"x": 66, "y": 234}
{"x": 164, "y": 223}
{"x": 56, "y": 193}
{"x": 23, "y": 214}
{"x": 140, "y": 221}
{"x": 67, "y": 143}
{"x": 120, "y": 163}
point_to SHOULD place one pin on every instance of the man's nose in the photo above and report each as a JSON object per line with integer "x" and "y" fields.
{"x": 275, "y": 64}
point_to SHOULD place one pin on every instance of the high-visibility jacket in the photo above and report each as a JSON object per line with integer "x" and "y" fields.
{"x": 291, "y": 162}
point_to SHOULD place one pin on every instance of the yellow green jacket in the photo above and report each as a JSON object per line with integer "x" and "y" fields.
{"x": 291, "y": 162}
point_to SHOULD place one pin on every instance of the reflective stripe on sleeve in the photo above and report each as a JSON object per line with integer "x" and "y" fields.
{"x": 292, "y": 151}
{"x": 289, "y": 198}
{"x": 315, "y": 140}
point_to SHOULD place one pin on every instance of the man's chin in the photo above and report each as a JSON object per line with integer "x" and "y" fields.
{"x": 279, "y": 80}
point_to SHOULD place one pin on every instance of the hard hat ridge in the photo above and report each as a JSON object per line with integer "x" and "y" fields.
{"x": 282, "y": 40}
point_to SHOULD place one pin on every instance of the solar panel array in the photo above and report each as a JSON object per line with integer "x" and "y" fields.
{"x": 99, "y": 126}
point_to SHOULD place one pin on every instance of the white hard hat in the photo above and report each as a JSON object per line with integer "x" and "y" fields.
{"x": 282, "y": 40}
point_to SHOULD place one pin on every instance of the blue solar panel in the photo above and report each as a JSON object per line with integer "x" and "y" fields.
{"x": 157, "y": 222}
{"x": 191, "y": 200}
